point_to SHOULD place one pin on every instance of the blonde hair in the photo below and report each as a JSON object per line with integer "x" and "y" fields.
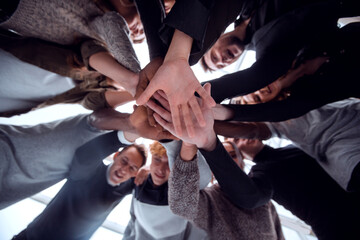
{"x": 157, "y": 149}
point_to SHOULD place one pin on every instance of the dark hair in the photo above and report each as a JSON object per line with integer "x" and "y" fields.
{"x": 140, "y": 148}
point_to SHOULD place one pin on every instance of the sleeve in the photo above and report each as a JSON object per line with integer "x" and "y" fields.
{"x": 152, "y": 15}
{"x": 277, "y": 44}
{"x": 89, "y": 48}
{"x": 259, "y": 75}
{"x": 276, "y": 111}
{"x": 185, "y": 197}
{"x": 113, "y": 30}
{"x": 173, "y": 150}
{"x": 244, "y": 191}
{"x": 190, "y": 17}
{"x": 90, "y": 155}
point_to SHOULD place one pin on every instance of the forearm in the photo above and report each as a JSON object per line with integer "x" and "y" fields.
{"x": 190, "y": 17}
{"x": 180, "y": 47}
{"x": 117, "y": 98}
{"x": 242, "y": 130}
{"x": 92, "y": 153}
{"x": 152, "y": 15}
{"x": 188, "y": 151}
{"x": 185, "y": 197}
{"x": 110, "y": 119}
{"x": 104, "y": 63}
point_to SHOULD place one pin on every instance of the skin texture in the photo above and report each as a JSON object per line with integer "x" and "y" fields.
{"x": 125, "y": 165}
{"x": 180, "y": 87}
{"x": 227, "y": 49}
{"x": 104, "y": 63}
{"x": 168, "y": 5}
{"x": 159, "y": 169}
{"x": 205, "y": 135}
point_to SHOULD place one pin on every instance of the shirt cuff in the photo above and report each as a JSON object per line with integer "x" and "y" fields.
{"x": 122, "y": 138}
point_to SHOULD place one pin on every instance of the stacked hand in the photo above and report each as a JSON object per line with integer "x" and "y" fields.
{"x": 176, "y": 79}
{"x": 146, "y": 75}
{"x": 205, "y": 135}
{"x": 139, "y": 120}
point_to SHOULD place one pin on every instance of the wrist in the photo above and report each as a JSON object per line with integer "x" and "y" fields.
{"x": 130, "y": 136}
{"x": 222, "y": 113}
{"x": 210, "y": 142}
{"x": 188, "y": 151}
{"x": 180, "y": 47}
{"x": 132, "y": 83}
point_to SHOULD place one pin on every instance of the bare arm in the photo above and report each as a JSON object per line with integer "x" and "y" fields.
{"x": 136, "y": 123}
{"x": 250, "y": 130}
{"x": 104, "y": 63}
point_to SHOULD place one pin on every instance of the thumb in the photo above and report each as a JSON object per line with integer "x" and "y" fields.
{"x": 146, "y": 95}
{"x": 207, "y": 88}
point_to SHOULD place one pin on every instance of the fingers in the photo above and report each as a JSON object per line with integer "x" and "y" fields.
{"x": 168, "y": 126}
{"x": 163, "y": 101}
{"x": 162, "y": 93}
{"x": 187, "y": 120}
{"x": 194, "y": 104}
{"x": 159, "y": 110}
{"x": 208, "y": 100}
{"x": 207, "y": 88}
{"x": 151, "y": 119}
{"x": 175, "y": 114}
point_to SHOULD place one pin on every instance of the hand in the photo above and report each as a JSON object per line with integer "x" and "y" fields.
{"x": 179, "y": 83}
{"x": 142, "y": 175}
{"x": 222, "y": 113}
{"x": 138, "y": 119}
{"x": 146, "y": 74}
{"x": 205, "y": 135}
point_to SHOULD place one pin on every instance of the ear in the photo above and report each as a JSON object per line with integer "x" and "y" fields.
{"x": 115, "y": 155}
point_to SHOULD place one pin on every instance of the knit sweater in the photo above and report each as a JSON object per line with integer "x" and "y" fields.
{"x": 212, "y": 211}
{"x": 68, "y": 22}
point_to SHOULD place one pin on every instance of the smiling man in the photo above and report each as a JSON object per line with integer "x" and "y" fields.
{"x": 91, "y": 192}
{"x": 226, "y": 50}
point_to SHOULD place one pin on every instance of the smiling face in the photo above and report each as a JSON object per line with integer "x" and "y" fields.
{"x": 125, "y": 165}
{"x": 159, "y": 169}
{"x": 266, "y": 94}
{"x": 227, "y": 49}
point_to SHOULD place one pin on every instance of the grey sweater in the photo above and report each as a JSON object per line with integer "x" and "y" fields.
{"x": 212, "y": 211}
{"x": 68, "y": 22}
{"x": 34, "y": 158}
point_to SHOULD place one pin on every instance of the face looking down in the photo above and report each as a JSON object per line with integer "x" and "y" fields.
{"x": 159, "y": 169}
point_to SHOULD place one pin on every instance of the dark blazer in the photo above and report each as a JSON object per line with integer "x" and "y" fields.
{"x": 86, "y": 199}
